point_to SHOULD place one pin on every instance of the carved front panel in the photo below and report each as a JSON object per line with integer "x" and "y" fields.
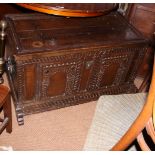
{"x": 26, "y": 81}
{"x": 87, "y": 68}
{"x": 71, "y": 74}
{"x": 67, "y": 79}
{"x": 51, "y": 77}
{"x": 111, "y": 67}
{"x": 60, "y": 78}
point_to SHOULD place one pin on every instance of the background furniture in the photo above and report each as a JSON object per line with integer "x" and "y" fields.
{"x": 5, "y": 105}
{"x": 11, "y": 8}
{"x": 72, "y": 9}
{"x": 142, "y": 16}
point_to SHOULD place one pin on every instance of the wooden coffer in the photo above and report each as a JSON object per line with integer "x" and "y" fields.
{"x": 55, "y": 62}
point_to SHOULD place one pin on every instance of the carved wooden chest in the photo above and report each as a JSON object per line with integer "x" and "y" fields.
{"x": 54, "y": 62}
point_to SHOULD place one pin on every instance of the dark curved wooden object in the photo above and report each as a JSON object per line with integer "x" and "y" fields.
{"x": 71, "y": 9}
{"x": 5, "y": 102}
{"x": 146, "y": 119}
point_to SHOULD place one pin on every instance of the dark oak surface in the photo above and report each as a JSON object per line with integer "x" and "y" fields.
{"x": 33, "y": 34}
{"x": 54, "y": 61}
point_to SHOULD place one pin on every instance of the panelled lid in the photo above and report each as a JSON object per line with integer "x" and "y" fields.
{"x": 39, "y": 33}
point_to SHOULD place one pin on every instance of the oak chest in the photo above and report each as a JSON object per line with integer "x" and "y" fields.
{"x": 54, "y": 62}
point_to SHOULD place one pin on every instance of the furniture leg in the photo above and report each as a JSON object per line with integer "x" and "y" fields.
{"x": 7, "y": 113}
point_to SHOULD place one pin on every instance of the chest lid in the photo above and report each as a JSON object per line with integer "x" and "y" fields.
{"x": 32, "y": 33}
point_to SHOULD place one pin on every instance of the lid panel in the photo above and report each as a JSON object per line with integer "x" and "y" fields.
{"x": 36, "y": 33}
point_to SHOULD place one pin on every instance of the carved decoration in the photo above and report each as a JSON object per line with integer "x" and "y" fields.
{"x": 61, "y": 102}
{"x": 73, "y": 65}
{"x": 72, "y": 71}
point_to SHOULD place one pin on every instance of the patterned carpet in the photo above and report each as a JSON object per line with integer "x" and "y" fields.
{"x": 63, "y": 129}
